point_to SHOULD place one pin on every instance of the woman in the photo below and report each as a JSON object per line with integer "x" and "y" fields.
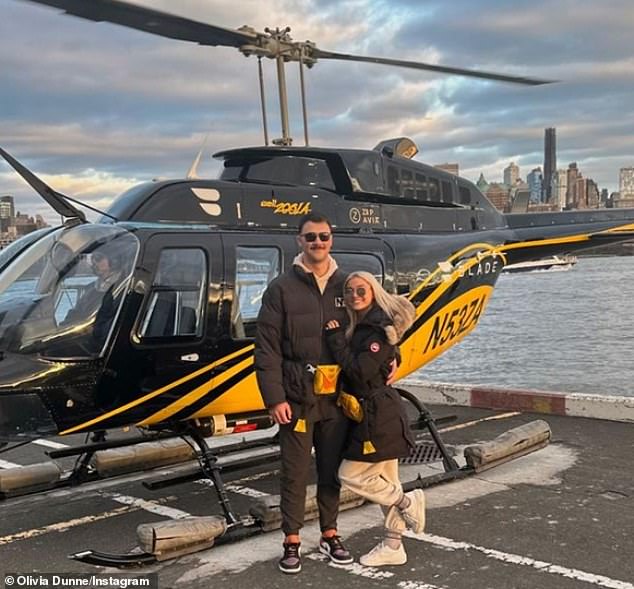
{"x": 365, "y": 351}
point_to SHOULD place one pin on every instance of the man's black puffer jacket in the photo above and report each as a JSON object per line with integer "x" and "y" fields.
{"x": 365, "y": 362}
{"x": 290, "y": 335}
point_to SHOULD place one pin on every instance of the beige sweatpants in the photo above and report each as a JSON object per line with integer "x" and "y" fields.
{"x": 376, "y": 481}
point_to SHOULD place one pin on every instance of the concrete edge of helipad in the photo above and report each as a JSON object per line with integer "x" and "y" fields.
{"x": 613, "y": 408}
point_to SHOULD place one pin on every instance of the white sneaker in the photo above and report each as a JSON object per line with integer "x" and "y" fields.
{"x": 414, "y": 515}
{"x": 382, "y": 554}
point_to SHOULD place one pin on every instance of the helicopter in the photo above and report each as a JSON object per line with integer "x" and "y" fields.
{"x": 168, "y": 346}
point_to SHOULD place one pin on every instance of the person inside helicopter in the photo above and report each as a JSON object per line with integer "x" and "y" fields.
{"x": 60, "y": 297}
{"x": 100, "y": 295}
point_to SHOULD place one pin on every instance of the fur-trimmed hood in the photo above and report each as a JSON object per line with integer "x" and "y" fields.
{"x": 394, "y": 329}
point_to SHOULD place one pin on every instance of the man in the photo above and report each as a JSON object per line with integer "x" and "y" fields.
{"x": 98, "y": 296}
{"x": 294, "y": 369}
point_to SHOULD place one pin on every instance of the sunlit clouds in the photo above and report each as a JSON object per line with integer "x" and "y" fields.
{"x": 94, "y": 108}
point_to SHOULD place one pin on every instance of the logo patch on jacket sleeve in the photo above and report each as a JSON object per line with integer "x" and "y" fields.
{"x": 375, "y": 347}
{"x": 339, "y": 302}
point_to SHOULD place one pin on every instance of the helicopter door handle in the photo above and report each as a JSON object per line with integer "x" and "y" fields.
{"x": 218, "y": 370}
{"x": 190, "y": 357}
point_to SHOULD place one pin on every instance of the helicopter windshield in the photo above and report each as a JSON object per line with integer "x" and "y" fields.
{"x": 13, "y": 249}
{"x": 61, "y": 296}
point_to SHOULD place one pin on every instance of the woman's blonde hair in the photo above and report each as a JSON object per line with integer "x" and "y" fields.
{"x": 397, "y": 308}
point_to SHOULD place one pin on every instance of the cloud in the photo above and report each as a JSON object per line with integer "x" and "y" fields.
{"x": 92, "y": 102}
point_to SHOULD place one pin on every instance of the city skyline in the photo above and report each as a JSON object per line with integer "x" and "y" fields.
{"x": 101, "y": 107}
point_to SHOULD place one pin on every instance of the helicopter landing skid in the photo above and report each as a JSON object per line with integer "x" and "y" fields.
{"x": 512, "y": 444}
{"x": 241, "y": 530}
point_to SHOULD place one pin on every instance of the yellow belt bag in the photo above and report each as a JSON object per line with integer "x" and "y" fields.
{"x": 350, "y": 406}
{"x": 325, "y": 383}
{"x": 326, "y": 376}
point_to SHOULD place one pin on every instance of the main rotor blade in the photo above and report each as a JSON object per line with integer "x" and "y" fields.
{"x": 151, "y": 21}
{"x": 320, "y": 54}
{"x": 55, "y": 199}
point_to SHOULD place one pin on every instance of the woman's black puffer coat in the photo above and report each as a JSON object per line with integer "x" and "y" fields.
{"x": 365, "y": 362}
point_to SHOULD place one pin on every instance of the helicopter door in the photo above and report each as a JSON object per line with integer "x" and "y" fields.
{"x": 178, "y": 321}
{"x": 251, "y": 262}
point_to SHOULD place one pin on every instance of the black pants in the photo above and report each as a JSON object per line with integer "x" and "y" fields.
{"x": 328, "y": 435}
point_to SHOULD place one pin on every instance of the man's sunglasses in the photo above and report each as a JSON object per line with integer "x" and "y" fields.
{"x": 312, "y": 236}
{"x": 361, "y": 291}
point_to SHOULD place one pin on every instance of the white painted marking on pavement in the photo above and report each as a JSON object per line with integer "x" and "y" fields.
{"x": 150, "y": 506}
{"x": 63, "y": 526}
{"x": 354, "y": 568}
{"x": 248, "y": 491}
{"x": 50, "y": 444}
{"x": 416, "y": 585}
{"x": 540, "y": 565}
{"x": 239, "y": 489}
{"x": 5, "y": 464}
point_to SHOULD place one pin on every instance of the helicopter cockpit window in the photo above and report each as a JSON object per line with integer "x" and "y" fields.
{"x": 60, "y": 298}
{"x": 255, "y": 268}
{"x": 13, "y": 249}
{"x": 177, "y": 297}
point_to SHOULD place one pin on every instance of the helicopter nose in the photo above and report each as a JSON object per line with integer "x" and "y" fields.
{"x": 24, "y": 416}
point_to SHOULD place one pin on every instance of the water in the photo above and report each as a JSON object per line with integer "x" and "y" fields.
{"x": 559, "y": 331}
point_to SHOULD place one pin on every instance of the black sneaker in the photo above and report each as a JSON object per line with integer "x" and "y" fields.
{"x": 334, "y": 550}
{"x": 291, "y": 562}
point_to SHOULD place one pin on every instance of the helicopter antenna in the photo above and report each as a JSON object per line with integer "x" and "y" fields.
{"x": 192, "y": 174}
{"x": 275, "y": 44}
{"x": 58, "y": 201}
{"x": 91, "y": 208}
{"x": 262, "y": 100}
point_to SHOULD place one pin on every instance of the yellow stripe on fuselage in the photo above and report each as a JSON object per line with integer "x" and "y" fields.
{"x": 198, "y": 393}
{"x": 156, "y": 393}
{"x": 243, "y": 397}
{"x": 443, "y": 329}
{"x": 542, "y": 242}
{"x": 450, "y": 279}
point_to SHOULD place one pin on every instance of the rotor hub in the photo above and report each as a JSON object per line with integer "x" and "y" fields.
{"x": 274, "y": 43}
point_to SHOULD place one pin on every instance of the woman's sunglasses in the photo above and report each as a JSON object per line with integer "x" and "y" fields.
{"x": 360, "y": 291}
{"x": 311, "y": 236}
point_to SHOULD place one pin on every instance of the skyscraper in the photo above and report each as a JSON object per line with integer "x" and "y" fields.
{"x": 511, "y": 174}
{"x": 550, "y": 163}
{"x": 626, "y": 182}
{"x": 535, "y": 183}
{"x": 7, "y": 207}
{"x": 626, "y": 188}
{"x": 560, "y": 187}
{"x": 571, "y": 190}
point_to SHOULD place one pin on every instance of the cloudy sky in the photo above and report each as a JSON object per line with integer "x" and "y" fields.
{"x": 94, "y": 108}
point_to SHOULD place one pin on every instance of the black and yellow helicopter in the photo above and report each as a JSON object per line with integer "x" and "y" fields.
{"x": 167, "y": 343}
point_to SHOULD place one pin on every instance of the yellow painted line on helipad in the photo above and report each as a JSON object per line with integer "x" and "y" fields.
{"x": 477, "y": 421}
